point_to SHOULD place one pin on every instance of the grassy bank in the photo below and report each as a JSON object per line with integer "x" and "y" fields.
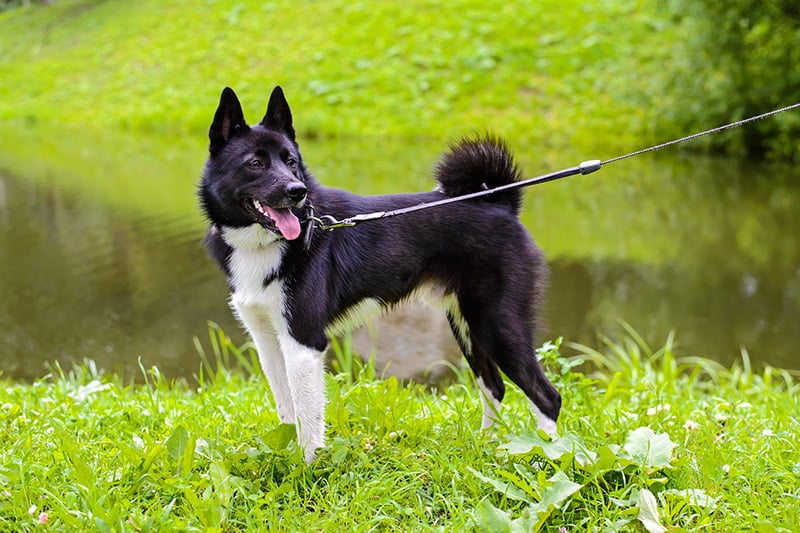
{"x": 651, "y": 443}
{"x": 552, "y": 73}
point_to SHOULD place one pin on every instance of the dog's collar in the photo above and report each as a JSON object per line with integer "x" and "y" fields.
{"x": 308, "y": 233}
{"x": 311, "y": 226}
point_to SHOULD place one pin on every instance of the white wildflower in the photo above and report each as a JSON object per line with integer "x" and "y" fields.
{"x": 662, "y": 407}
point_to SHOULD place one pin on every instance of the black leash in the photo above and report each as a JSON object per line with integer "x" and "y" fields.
{"x": 329, "y": 223}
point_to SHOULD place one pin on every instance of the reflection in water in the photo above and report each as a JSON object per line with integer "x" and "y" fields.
{"x": 79, "y": 280}
{"x": 712, "y": 315}
{"x": 714, "y": 255}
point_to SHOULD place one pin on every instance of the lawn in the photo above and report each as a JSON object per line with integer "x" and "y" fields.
{"x": 556, "y": 74}
{"x": 648, "y": 443}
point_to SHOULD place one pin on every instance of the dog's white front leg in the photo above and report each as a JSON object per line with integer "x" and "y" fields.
{"x": 269, "y": 355}
{"x": 306, "y": 372}
{"x": 274, "y": 367}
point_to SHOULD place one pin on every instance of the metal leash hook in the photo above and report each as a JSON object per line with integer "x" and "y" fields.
{"x": 329, "y": 223}
{"x": 325, "y": 223}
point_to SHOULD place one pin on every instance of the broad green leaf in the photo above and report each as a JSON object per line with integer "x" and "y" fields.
{"x": 180, "y": 447}
{"x": 553, "y": 450}
{"x": 694, "y": 497}
{"x": 762, "y": 526}
{"x": 339, "y": 454}
{"x": 280, "y": 437}
{"x": 81, "y": 470}
{"x": 522, "y": 444}
{"x": 647, "y": 449}
{"x": 556, "y": 492}
{"x": 188, "y": 456}
{"x": 490, "y": 519}
{"x": 176, "y": 443}
{"x": 606, "y": 459}
{"x": 648, "y": 512}
{"x": 554, "y": 496}
{"x": 150, "y": 456}
{"x": 220, "y": 480}
{"x": 504, "y": 488}
{"x": 560, "y": 489}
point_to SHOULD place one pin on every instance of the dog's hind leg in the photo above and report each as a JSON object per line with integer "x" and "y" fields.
{"x": 489, "y": 380}
{"x": 490, "y": 383}
{"x": 517, "y": 359}
{"x": 271, "y": 358}
{"x": 502, "y": 338}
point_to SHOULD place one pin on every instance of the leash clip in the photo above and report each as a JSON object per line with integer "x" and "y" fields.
{"x": 325, "y": 223}
{"x": 328, "y": 223}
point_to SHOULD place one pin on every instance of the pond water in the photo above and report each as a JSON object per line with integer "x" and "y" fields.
{"x": 100, "y": 252}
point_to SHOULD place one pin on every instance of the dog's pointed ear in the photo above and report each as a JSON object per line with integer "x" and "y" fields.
{"x": 278, "y": 116}
{"x": 228, "y": 121}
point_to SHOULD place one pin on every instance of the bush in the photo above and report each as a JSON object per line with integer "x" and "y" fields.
{"x": 734, "y": 60}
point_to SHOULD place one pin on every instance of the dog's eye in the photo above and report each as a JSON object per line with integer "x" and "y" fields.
{"x": 255, "y": 163}
{"x": 288, "y": 158}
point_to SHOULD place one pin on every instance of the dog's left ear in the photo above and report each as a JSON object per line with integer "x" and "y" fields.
{"x": 278, "y": 116}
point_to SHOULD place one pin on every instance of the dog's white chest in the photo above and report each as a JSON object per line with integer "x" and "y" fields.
{"x": 253, "y": 266}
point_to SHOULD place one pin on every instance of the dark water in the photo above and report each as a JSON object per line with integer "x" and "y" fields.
{"x": 100, "y": 253}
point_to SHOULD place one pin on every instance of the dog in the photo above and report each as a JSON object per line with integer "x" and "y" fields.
{"x": 292, "y": 290}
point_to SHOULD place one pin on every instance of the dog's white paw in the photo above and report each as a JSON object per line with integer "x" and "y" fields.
{"x": 544, "y": 422}
{"x": 547, "y": 424}
{"x": 311, "y": 454}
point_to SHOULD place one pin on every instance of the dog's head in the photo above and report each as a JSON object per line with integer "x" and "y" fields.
{"x": 254, "y": 174}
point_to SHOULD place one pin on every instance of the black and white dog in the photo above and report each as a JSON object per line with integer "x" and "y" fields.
{"x": 474, "y": 257}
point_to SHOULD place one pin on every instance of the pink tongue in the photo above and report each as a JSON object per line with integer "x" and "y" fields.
{"x": 287, "y": 223}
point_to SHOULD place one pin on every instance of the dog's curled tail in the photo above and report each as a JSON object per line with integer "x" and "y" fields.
{"x": 477, "y": 163}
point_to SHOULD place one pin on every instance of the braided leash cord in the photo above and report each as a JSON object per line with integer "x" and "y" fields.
{"x": 702, "y": 133}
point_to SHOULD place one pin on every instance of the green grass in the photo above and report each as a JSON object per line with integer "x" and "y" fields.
{"x": 649, "y": 442}
{"x": 555, "y": 73}
{"x": 587, "y": 75}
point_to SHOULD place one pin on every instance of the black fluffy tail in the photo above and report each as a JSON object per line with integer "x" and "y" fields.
{"x": 477, "y": 163}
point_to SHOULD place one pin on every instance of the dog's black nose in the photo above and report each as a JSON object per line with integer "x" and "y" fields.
{"x": 296, "y": 191}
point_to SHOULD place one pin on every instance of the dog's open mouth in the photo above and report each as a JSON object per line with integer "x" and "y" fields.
{"x": 281, "y": 219}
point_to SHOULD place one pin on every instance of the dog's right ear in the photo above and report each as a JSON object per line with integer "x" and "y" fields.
{"x": 228, "y": 121}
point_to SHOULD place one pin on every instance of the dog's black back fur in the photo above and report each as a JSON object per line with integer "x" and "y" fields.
{"x": 476, "y": 251}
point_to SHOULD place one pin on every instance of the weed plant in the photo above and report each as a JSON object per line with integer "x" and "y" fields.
{"x": 648, "y": 442}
